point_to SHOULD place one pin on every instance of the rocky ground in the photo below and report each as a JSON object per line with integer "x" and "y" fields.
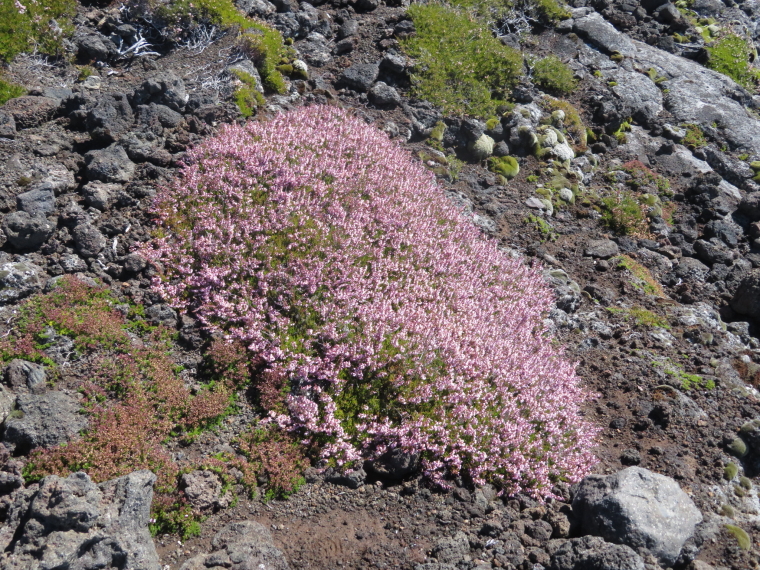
{"x": 663, "y": 321}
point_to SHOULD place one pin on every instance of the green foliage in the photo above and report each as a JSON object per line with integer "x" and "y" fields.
{"x": 262, "y": 43}
{"x": 42, "y": 26}
{"x": 9, "y": 91}
{"x": 642, "y": 277}
{"x": 507, "y": 166}
{"x": 573, "y": 123}
{"x": 745, "y": 543}
{"x": 277, "y": 456}
{"x": 694, "y": 138}
{"x": 731, "y": 56}
{"x": 247, "y": 97}
{"x": 550, "y": 11}
{"x": 551, "y": 74}
{"x": 745, "y": 483}
{"x": 624, "y": 214}
{"x": 543, "y": 227}
{"x": 641, "y": 317}
{"x": 460, "y": 65}
{"x": 730, "y": 471}
{"x": 688, "y": 381}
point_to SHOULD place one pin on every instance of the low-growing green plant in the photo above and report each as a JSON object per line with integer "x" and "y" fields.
{"x": 34, "y": 26}
{"x": 9, "y": 91}
{"x": 642, "y": 176}
{"x": 695, "y": 137}
{"x": 731, "y": 56}
{"x": 461, "y": 67}
{"x": 730, "y": 471}
{"x": 623, "y": 213}
{"x": 247, "y": 97}
{"x": 552, "y": 74}
{"x": 543, "y": 227}
{"x": 687, "y": 380}
{"x": 641, "y": 317}
{"x": 642, "y": 277}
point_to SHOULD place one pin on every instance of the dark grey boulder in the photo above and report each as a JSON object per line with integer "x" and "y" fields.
{"x": 593, "y": 553}
{"x": 43, "y": 420}
{"x": 203, "y": 490}
{"x": 396, "y": 464}
{"x": 161, "y": 314}
{"x": 393, "y": 62}
{"x": 351, "y": 479}
{"x": 72, "y": 263}
{"x": 95, "y": 46}
{"x": 713, "y": 251}
{"x": 89, "y": 240}
{"x": 240, "y": 546}
{"x": 155, "y": 114}
{"x": 691, "y": 269}
{"x": 74, "y": 523}
{"x": 360, "y": 77}
{"x": 29, "y": 111}
{"x": 146, "y": 147}
{"x": 746, "y": 300}
{"x": 23, "y": 376}
{"x": 110, "y": 164}
{"x": 384, "y": 95}
{"x": 110, "y": 118}
{"x": 258, "y": 8}
{"x": 601, "y": 248}
{"x": 18, "y": 280}
{"x": 644, "y": 510}
{"x": 750, "y": 206}
{"x": 27, "y": 232}
{"x": 453, "y": 549}
{"x": 134, "y": 263}
{"x": 40, "y": 202}
{"x": 7, "y": 125}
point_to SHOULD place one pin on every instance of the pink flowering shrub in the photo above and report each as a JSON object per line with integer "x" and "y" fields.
{"x": 389, "y": 320}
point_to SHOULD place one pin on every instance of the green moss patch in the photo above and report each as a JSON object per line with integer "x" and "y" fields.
{"x": 461, "y": 66}
{"x": 507, "y": 166}
{"x": 554, "y": 76}
{"x": 731, "y": 56}
{"x": 9, "y": 91}
{"x": 35, "y": 25}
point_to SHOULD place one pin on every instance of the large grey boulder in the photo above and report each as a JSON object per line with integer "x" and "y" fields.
{"x": 638, "y": 508}
{"x": 37, "y": 202}
{"x": 240, "y": 546}
{"x": 691, "y": 92}
{"x": 109, "y": 118}
{"x": 74, "y": 523}
{"x": 89, "y": 240}
{"x": 24, "y": 376}
{"x": 593, "y": 553}
{"x": 361, "y": 76}
{"x": 43, "y": 420}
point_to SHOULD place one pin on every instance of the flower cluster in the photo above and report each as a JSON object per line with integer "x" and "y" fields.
{"x": 393, "y": 321}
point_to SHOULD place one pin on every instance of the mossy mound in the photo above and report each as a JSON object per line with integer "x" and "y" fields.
{"x": 507, "y": 166}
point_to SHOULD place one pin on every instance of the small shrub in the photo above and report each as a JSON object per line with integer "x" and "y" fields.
{"x": 730, "y": 471}
{"x": 277, "y": 456}
{"x": 551, "y": 74}
{"x": 624, "y": 214}
{"x": 461, "y": 67}
{"x": 731, "y": 56}
{"x": 321, "y": 246}
{"x": 643, "y": 176}
{"x": 9, "y": 91}
{"x": 34, "y": 26}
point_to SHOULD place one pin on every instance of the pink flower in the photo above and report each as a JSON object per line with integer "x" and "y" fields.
{"x": 335, "y": 257}
{"x": 20, "y": 7}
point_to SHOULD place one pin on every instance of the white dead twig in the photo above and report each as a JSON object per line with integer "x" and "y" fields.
{"x": 201, "y": 37}
{"x": 139, "y": 48}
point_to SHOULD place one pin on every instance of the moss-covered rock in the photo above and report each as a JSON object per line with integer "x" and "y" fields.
{"x": 482, "y": 148}
{"x": 507, "y": 166}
